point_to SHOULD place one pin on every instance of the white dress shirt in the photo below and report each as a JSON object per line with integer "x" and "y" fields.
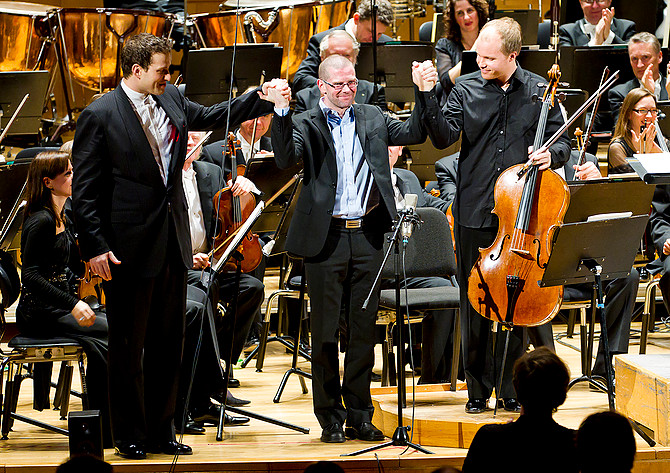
{"x": 196, "y": 221}
{"x": 590, "y": 31}
{"x": 156, "y": 126}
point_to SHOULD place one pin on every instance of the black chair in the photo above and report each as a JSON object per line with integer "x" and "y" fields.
{"x": 29, "y": 350}
{"x": 430, "y": 252}
{"x": 426, "y": 31}
{"x": 544, "y": 34}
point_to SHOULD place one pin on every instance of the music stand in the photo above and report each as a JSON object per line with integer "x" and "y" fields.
{"x": 649, "y": 177}
{"x": 600, "y": 248}
{"x": 12, "y": 187}
{"x": 213, "y": 87}
{"x": 15, "y": 85}
{"x": 394, "y": 66}
{"x": 529, "y": 21}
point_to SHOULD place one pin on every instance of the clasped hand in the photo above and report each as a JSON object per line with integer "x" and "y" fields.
{"x": 276, "y": 91}
{"x": 424, "y": 75}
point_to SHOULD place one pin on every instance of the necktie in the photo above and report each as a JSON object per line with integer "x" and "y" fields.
{"x": 152, "y": 134}
{"x": 334, "y": 119}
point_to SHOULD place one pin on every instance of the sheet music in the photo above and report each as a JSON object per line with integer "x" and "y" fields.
{"x": 655, "y": 163}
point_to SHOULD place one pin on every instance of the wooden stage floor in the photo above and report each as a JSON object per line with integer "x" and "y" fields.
{"x": 262, "y": 447}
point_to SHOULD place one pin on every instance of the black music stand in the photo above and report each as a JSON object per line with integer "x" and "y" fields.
{"x": 213, "y": 86}
{"x": 648, "y": 176}
{"x": 14, "y": 86}
{"x": 599, "y": 248}
{"x": 12, "y": 187}
{"x": 529, "y": 21}
{"x": 394, "y": 66}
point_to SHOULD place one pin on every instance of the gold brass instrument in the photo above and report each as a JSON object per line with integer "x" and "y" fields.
{"x": 23, "y": 37}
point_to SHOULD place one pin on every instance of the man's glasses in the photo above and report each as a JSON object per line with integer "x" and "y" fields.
{"x": 645, "y": 111}
{"x": 352, "y": 84}
{"x": 589, "y": 2}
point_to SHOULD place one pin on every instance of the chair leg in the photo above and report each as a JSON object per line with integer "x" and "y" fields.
{"x": 65, "y": 390}
{"x": 11, "y": 396}
{"x": 456, "y": 351}
{"x": 58, "y": 395}
{"x": 572, "y": 314}
{"x": 390, "y": 358}
{"x": 84, "y": 385}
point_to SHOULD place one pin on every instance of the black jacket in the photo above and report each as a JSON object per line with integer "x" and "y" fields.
{"x": 571, "y": 34}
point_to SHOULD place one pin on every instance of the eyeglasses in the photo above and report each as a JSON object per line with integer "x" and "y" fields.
{"x": 589, "y": 2}
{"x": 352, "y": 84}
{"x": 645, "y": 111}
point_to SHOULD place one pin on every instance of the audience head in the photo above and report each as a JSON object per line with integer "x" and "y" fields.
{"x": 462, "y": 16}
{"x": 593, "y": 10}
{"x": 541, "y": 381}
{"x": 605, "y": 442}
{"x": 363, "y": 19}
{"x": 635, "y": 113}
{"x": 644, "y": 51}
{"x": 84, "y": 464}
{"x": 145, "y": 62}
{"x": 498, "y": 46}
{"x": 324, "y": 466}
{"x": 339, "y": 42}
{"x": 337, "y": 82}
{"x": 49, "y": 176}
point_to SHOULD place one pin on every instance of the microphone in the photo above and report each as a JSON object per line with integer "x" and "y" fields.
{"x": 408, "y": 226}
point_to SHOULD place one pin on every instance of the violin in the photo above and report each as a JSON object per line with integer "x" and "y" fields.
{"x": 504, "y": 282}
{"x": 232, "y": 212}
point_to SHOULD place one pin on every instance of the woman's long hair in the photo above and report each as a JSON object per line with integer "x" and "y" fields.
{"x": 623, "y": 126}
{"x": 451, "y": 29}
{"x": 48, "y": 164}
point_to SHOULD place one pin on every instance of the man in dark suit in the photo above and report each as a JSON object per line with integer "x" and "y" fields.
{"x": 340, "y": 42}
{"x": 130, "y": 210}
{"x": 446, "y": 170}
{"x": 644, "y": 52}
{"x": 346, "y": 204}
{"x": 597, "y": 28}
{"x": 213, "y": 153}
{"x": 359, "y": 27}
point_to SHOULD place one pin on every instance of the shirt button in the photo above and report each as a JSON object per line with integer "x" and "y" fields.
{"x": 502, "y": 132}
{"x": 498, "y": 169}
{"x": 330, "y": 212}
{"x": 499, "y": 150}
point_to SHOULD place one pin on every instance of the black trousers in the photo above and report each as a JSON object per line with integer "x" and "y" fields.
{"x": 481, "y": 364}
{"x": 146, "y": 334}
{"x": 350, "y": 259}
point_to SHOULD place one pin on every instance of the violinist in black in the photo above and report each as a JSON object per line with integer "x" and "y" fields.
{"x": 494, "y": 113}
{"x": 49, "y": 306}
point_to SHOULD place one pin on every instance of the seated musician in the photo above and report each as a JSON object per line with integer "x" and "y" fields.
{"x": 359, "y": 27}
{"x": 49, "y": 305}
{"x": 437, "y": 325}
{"x": 201, "y": 181}
{"x": 340, "y": 42}
{"x": 213, "y": 153}
{"x": 597, "y": 28}
{"x": 644, "y": 52}
{"x": 446, "y": 170}
{"x": 533, "y": 442}
{"x": 635, "y": 130}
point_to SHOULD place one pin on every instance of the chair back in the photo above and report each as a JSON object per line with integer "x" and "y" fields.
{"x": 429, "y": 251}
{"x": 426, "y": 31}
{"x": 10, "y": 287}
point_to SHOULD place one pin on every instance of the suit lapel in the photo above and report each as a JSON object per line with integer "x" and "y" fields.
{"x": 176, "y": 119}
{"x": 664, "y": 93}
{"x": 136, "y": 136}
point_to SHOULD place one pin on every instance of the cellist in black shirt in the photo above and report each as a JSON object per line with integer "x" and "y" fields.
{"x": 494, "y": 113}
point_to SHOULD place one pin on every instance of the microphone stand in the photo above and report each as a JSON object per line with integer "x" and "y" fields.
{"x": 401, "y": 436}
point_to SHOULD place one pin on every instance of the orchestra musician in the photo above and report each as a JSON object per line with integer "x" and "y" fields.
{"x": 463, "y": 19}
{"x": 494, "y": 114}
{"x": 598, "y": 27}
{"x": 131, "y": 214}
{"x": 644, "y": 52}
{"x": 359, "y": 27}
{"x": 340, "y": 42}
{"x": 49, "y": 305}
{"x": 347, "y": 204}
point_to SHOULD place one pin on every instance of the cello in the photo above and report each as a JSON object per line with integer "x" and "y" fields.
{"x": 232, "y": 211}
{"x": 504, "y": 282}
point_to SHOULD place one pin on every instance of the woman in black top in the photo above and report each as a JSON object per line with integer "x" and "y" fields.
{"x": 635, "y": 130}
{"x": 462, "y": 21}
{"x": 49, "y": 305}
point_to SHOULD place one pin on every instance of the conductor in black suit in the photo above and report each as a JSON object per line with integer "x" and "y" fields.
{"x": 344, "y": 208}
{"x": 359, "y": 27}
{"x": 340, "y": 42}
{"x": 130, "y": 211}
{"x": 597, "y": 28}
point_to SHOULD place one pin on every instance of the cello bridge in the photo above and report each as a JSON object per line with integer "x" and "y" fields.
{"x": 523, "y": 253}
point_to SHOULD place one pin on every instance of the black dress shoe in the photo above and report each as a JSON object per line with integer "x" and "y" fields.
{"x": 475, "y": 406}
{"x": 191, "y": 428}
{"x": 131, "y": 450}
{"x": 333, "y": 434}
{"x": 510, "y": 404}
{"x": 229, "y": 399}
{"x": 210, "y": 416}
{"x": 376, "y": 377}
{"x": 233, "y": 383}
{"x": 364, "y": 431}
{"x": 171, "y": 448}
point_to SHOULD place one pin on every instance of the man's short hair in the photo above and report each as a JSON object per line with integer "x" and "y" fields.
{"x": 605, "y": 432}
{"x": 140, "y": 49}
{"x": 384, "y": 11}
{"x": 333, "y": 63}
{"x": 510, "y": 34}
{"x": 541, "y": 380}
{"x": 325, "y": 42}
{"x": 645, "y": 37}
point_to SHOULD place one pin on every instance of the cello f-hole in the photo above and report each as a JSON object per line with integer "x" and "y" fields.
{"x": 502, "y": 245}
